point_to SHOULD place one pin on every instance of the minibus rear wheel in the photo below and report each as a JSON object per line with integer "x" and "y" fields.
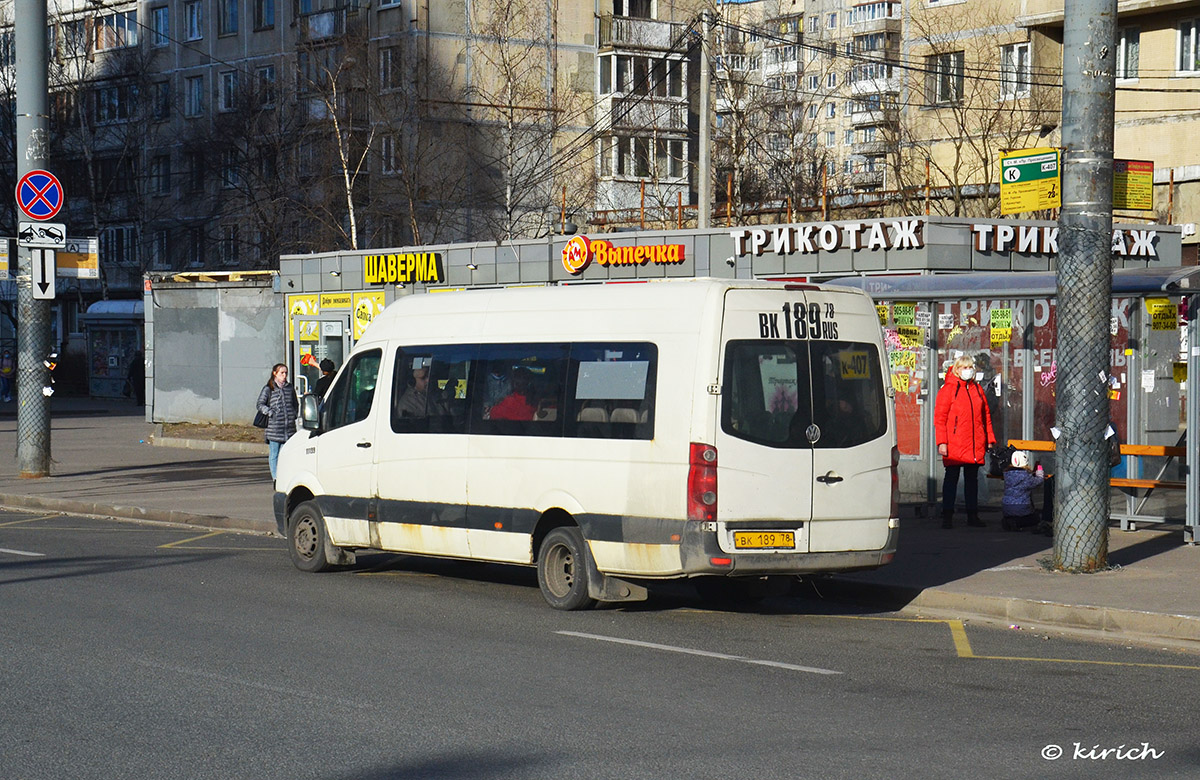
{"x": 563, "y": 563}
{"x": 306, "y": 537}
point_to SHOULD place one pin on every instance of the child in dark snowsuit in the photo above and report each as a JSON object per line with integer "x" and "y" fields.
{"x": 1019, "y": 484}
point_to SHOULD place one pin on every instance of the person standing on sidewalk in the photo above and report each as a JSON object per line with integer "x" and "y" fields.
{"x": 278, "y": 401}
{"x": 963, "y": 425}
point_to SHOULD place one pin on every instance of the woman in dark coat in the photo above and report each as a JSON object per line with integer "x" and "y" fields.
{"x": 963, "y": 425}
{"x": 278, "y": 401}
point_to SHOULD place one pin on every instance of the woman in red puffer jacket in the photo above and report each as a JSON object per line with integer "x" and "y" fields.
{"x": 963, "y": 426}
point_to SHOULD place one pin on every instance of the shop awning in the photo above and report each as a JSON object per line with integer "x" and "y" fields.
{"x": 960, "y": 286}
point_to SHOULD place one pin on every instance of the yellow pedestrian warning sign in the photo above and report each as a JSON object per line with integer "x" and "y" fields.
{"x": 1029, "y": 180}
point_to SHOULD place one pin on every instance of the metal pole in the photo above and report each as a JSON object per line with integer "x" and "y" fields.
{"x": 33, "y": 316}
{"x": 1085, "y": 286}
{"x": 1192, "y": 483}
{"x": 704, "y": 160}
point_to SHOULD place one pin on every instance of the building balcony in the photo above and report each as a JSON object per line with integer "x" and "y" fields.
{"x": 639, "y": 113}
{"x": 874, "y": 116}
{"x": 330, "y": 23}
{"x": 878, "y": 24}
{"x": 875, "y": 86}
{"x": 625, "y": 32}
{"x": 862, "y": 179}
{"x": 869, "y": 148}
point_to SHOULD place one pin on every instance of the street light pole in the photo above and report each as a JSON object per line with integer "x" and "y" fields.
{"x": 33, "y": 316}
{"x": 1085, "y": 285}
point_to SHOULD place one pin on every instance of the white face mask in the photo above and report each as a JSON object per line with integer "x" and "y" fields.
{"x": 967, "y": 374}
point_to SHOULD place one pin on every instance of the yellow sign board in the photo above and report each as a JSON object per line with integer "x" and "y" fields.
{"x": 900, "y": 382}
{"x": 904, "y": 313}
{"x": 1029, "y": 180}
{"x": 367, "y": 305}
{"x": 882, "y": 311}
{"x": 1133, "y": 184}
{"x": 342, "y": 300}
{"x": 303, "y": 306}
{"x": 79, "y": 258}
{"x": 1163, "y": 314}
{"x": 902, "y": 359}
{"x": 405, "y": 268}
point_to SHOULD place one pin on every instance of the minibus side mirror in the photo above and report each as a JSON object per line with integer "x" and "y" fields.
{"x": 310, "y": 412}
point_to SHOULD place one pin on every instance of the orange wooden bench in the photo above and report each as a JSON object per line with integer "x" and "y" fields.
{"x": 1130, "y": 485}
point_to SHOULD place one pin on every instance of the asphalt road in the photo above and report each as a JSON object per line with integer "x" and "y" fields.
{"x": 135, "y": 651}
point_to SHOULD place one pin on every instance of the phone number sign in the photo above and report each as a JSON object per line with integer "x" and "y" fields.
{"x": 1030, "y": 180}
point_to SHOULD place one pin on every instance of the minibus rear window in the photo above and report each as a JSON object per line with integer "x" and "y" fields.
{"x": 781, "y": 393}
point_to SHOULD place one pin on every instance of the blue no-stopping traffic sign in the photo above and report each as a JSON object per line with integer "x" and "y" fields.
{"x": 39, "y": 195}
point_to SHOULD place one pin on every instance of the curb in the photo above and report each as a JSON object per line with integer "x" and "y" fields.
{"x": 1108, "y": 621}
{"x": 208, "y": 444}
{"x": 123, "y": 512}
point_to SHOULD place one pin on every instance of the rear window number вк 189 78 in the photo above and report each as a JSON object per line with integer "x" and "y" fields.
{"x": 800, "y": 321}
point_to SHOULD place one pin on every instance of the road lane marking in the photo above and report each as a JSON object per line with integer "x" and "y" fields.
{"x": 225, "y": 678}
{"x": 29, "y": 520}
{"x": 22, "y": 552}
{"x": 703, "y": 653}
{"x": 191, "y": 539}
{"x": 961, "y": 643}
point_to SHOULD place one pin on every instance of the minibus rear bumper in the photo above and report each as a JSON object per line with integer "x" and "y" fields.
{"x": 701, "y": 555}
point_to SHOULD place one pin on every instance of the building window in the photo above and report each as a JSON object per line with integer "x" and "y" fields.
{"x": 229, "y": 245}
{"x": 160, "y": 26}
{"x": 193, "y": 20}
{"x": 195, "y": 247}
{"x": 831, "y": 110}
{"x": 118, "y": 244}
{"x": 227, "y": 22}
{"x": 1188, "y": 61}
{"x": 389, "y": 68}
{"x": 387, "y": 153}
{"x": 814, "y": 83}
{"x": 831, "y": 80}
{"x": 160, "y": 249}
{"x": 831, "y": 22}
{"x": 812, "y": 111}
{"x": 1128, "y": 52}
{"x": 113, "y": 103}
{"x": 160, "y": 95}
{"x": 160, "y": 174}
{"x": 230, "y": 177}
{"x": 830, "y": 138}
{"x": 1014, "y": 71}
{"x": 229, "y": 85}
{"x": 264, "y": 14}
{"x": 193, "y": 99}
{"x": 265, "y": 78}
{"x": 116, "y": 31}
{"x": 946, "y": 78}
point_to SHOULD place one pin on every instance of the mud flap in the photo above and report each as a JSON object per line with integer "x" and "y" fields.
{"x": 338, "y": 556}
{"x": 602, "y": 587}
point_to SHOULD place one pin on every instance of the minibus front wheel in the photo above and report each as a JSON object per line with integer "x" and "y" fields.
{"x": 562, "y": 569}
{"x": 306, "y": 537}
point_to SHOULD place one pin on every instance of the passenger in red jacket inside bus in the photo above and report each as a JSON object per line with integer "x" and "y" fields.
{"x": 963, "y": 426}
{"x": 517, "y": 405}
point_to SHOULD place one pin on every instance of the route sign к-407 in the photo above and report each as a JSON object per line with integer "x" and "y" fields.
{"x": 39, "y": 195}
{"x": 1029, "y": 180}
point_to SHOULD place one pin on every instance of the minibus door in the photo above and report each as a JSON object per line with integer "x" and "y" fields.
{"x": 852, "y": 422}
{"x": 764, "y": 456}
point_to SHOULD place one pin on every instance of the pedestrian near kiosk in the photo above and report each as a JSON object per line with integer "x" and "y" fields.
{"x": 1020, "y": 481}
{"x": 278, "y": 401}
{"x": 328, "y": 368}
{"x": 963, "y": 427}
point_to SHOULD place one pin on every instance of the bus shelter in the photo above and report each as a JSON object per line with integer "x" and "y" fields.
{"x": 1006, "y": 322}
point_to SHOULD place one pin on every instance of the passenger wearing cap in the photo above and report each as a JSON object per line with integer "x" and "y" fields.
{"x": 327, "y": 370}
{"x": 1019, "y": 484}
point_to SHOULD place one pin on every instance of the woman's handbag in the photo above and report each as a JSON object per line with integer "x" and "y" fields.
{"x": 260, "y": 419}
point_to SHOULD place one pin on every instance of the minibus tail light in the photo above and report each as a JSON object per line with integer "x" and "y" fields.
{"x": 895, "y": 482}
{"x": 702, "y": 482}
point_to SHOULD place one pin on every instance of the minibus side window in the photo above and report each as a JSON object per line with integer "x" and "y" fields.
{"x": 612, "y": 390}
{"x": 429, "y": 389}
{"x": 517, "y": 389}
{"x": 848, "y": 394}
{"x": 766, "y": 398}
{"x": 350, "y": 399}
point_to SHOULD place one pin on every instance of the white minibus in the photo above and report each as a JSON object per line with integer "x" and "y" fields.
{"x": 610, "y": 435}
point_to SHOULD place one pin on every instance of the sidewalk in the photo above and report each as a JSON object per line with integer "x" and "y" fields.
{"x": 103, "y": 463}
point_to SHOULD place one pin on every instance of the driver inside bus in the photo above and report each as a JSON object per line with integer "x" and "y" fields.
{"x": 417, "y": 401}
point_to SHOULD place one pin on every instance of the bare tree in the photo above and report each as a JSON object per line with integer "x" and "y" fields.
{"x": 982, "y": 97}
